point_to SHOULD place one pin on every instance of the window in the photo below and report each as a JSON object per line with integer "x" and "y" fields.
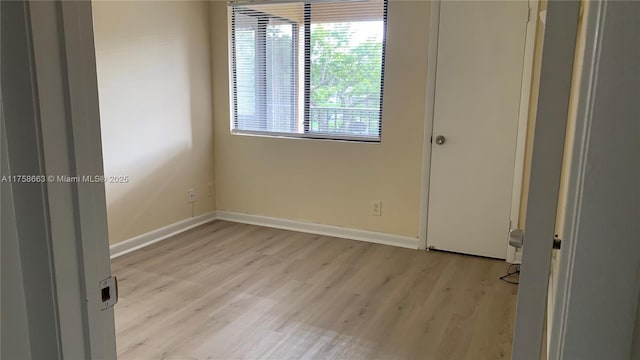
{"x": 309, "y": 69}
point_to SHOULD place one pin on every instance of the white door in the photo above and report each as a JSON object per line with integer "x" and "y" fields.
{"x": 477, "y": 96}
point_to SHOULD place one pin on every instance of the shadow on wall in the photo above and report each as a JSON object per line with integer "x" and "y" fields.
{"x": 147, "y": 197}
{"x": 155, "y": 105}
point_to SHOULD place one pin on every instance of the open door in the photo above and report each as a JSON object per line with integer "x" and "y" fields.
{"x": 595, "y": 307}
{"x": 546, "y": 166}
{"x": 51, "y": 119}
{"x": 596, "y": 311}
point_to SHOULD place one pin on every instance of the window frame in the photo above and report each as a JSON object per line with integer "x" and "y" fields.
{"x": 260, "y": 73}
{"x": 306, "y": 25}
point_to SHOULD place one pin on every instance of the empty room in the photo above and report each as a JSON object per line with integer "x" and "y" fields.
{"x": 284, "y": 146}
{"x": 282, "y": 179}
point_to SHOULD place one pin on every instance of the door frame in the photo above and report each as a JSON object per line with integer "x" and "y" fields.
{"x": 64, "y": 110}
{"x": 576, "y": 168}
{"x": 523, "y": 113}
{"x": 588, "y": 320}
{"x": 556, "y": 80}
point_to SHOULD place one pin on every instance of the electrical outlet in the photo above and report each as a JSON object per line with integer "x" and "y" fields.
{"x": 210, "y": 187}
{"x": 376, "y": 208}
{"x": 191, "y": 194}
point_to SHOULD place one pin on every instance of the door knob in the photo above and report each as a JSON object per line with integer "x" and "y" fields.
{"x": 440, "y": 139}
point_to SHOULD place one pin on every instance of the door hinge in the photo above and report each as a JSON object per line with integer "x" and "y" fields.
{"x": 108, "y": 292}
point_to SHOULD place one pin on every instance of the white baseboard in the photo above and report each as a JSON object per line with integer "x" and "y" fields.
{"x": 166, "y": 232}
{"x": 154, "y": 236}
{"x": 320, "y": 229}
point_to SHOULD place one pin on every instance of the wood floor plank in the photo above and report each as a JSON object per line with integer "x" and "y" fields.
{"x": 233, "y": 291}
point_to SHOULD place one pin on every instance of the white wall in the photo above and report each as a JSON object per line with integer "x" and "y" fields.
{"x": 157, "y": 128}
{"x": 155, "y": 105}
{"x": 331, "y": 182}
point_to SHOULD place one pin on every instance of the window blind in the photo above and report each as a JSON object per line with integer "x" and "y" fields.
{"x": 308, "y": 69}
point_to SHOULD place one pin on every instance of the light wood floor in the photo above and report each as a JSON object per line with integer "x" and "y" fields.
{"x": 227, "y": 290}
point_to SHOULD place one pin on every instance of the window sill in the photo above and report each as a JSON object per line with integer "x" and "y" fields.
{"x": 307, "y": 137}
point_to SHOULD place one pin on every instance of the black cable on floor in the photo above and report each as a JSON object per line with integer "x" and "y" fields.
{"x": 510, "y": 273}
